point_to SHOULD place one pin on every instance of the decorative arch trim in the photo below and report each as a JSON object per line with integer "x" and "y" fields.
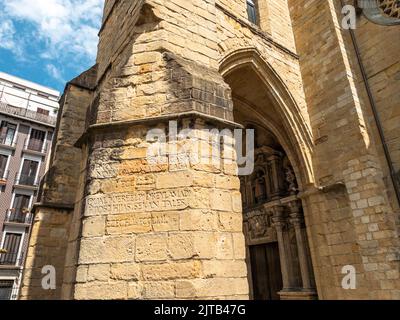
{"x": 299, "y": 133}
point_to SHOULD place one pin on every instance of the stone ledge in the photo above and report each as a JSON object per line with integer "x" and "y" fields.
{"x": 298, "y": 295}
{"x": 155, "y": 120}
{"x": 61, "y": 206}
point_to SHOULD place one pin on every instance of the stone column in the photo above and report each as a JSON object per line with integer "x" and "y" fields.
{"x": 274, "y": 163}
{"x": 280, "y": 223}
{"x": 297, "y": 220}
{"x": 268, "y": 185}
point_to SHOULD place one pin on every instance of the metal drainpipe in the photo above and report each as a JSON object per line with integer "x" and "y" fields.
{"x": 375, "y": 113}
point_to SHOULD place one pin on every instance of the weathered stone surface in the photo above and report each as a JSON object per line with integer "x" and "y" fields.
{"x": 99, "y": 272}
{"x": 101, "y": 291}
{"x": 93, "y": 227}
{"x": 171, "y": 271}
{"x": 107, "y": 250}
{"x": 125, "y": 271}
{"x": 151, "y": 248}
{"x": 202, "y": 288}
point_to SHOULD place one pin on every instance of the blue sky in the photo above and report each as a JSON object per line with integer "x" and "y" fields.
{"x": 48, "y": 41}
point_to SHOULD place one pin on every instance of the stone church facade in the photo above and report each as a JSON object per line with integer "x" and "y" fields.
{"x": 323, "y": 102}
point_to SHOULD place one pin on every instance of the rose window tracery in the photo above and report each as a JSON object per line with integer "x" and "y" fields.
{"x": 390, "y": 8}
{"x": 383, "y": 12}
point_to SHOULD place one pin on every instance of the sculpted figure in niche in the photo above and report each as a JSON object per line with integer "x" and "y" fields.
{"x": 260, "y": 188}
{"x": 291, "y": 180}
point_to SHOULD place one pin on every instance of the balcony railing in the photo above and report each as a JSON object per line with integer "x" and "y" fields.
{"x": 4, "y": 174}
{"x": 10, "y": 259}
{"x": 8, "y": 142}
{"x": 29, "y": 114}
{"x": 26, "y": 180}
{"x": 35, "y": 145}
{"x": 18, "y": 216}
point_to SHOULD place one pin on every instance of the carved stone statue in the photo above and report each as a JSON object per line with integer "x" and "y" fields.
{"x": 291, "y": 180}
{"x": 260, "y": 188}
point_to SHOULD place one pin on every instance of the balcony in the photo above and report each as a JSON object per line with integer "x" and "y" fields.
{"x": 28, "y": 114}
{"x": 10, "y": 259}
{"x": 36, "y": 147}
{"x": 4, "y": 177}
{"x": 18, "y": 216}
{"x": 26, "y": 181}
{"x": 8, "y": 143}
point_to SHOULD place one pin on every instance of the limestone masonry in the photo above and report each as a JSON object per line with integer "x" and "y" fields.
{"x": 322, "y": 195}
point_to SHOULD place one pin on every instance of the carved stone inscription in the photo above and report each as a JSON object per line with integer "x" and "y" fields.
{"x": 125, "y": 203}
{"x": 142, "y": 222}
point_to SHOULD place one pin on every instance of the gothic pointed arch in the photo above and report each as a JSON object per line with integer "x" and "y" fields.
{"x": 297, "y": 139}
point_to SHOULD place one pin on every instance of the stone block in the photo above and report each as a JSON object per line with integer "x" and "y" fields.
{"x": 151, "y": 248}
{"x": 125, "y": 271}
{"x": 106, "y": 250}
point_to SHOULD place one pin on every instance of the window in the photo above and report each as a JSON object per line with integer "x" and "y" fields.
{"x": 252, "y": 11}
{"x": 36, "y": 140}
{"x": 20, "y": 208}
{"x": 6, "y": 288}
{"x": 11, "y": 245}
{"x": 43, "y": 95}
{"x": 7, "y": 133}
{"x": 3, "y": 166}
{"x": 28, "y": 173}
{"x": 43, "y": 111}
{"x": 16, "y": 86}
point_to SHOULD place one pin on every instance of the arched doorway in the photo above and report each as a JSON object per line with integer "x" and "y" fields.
{"x": 278, "y": 254}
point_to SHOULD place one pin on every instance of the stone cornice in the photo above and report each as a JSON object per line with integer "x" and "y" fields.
{"x": 155, "y": 120}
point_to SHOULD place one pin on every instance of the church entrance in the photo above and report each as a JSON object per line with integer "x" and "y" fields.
{"x": 266, "y": 271}
{"x": 278, "y": 254}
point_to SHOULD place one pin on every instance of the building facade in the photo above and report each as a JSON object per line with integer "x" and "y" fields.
{"x": 28, "y": 114}
{"x": 318, "y": 217}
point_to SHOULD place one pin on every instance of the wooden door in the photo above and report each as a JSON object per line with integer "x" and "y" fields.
{"x": 266, "y": 271}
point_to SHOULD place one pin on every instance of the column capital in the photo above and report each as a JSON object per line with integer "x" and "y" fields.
{"x": 278, "y": 217}
{"x": 296, "y": 215}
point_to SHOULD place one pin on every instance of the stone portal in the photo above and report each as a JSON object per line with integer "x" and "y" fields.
{"x": 278, "y": 255}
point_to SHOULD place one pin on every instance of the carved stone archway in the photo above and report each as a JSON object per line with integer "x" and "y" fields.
{"x": 278, "y": 254}
{"x": 296, "y": 137}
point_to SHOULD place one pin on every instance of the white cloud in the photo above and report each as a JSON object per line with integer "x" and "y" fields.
{"x": 55, "y": 73}
{"x": 8, "y": 37}
{"x": 7, "y": 32}
{"x": 67, "y": 27}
